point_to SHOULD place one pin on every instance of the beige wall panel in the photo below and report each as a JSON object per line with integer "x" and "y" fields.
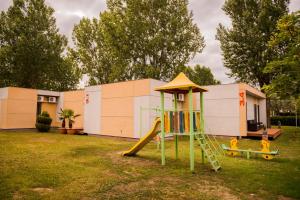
{"x": 21, "y": 108}
{"x": 75, "y": 100}
{"x": 117, "y": 107}
{"x": 117, "y": 117}
{"x": 116, "y": 90}
{"x": 77, "y": 95}
{"x": 3, "y": 113}
{"x": 20, "y": 121}
{"x": 142, "y": 87}
{"x": 22, "y": 93}
{"x": 117, "y": 126}
{"x": 51, "y": 108}
{"x": 126, "y": 89}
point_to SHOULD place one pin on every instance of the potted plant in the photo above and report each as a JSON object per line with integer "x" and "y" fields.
{"x": 63, "y": 115}
{"x": 43, "y": 122}
{"x": 71, "y": 119}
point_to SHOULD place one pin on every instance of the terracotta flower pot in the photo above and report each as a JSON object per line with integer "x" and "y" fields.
{"x": 63, "y": 130}
{"x": 71, "y": 131}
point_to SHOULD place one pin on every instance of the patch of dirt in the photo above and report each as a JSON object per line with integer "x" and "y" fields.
{"x": 170, "y": 188}
{"x": 42, "y": 191}
{"x": 110, "y": 174}
{"x": 284, "y": 198}
{"x": 44, "y": 140}
{"x": 218, "y": 191}
{"x": 17, "y": 195}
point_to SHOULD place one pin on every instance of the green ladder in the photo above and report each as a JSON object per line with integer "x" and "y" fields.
{"x": 208, "y": 151}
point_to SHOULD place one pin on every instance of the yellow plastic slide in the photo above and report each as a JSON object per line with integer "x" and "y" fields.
{"x": 145, "y": 140}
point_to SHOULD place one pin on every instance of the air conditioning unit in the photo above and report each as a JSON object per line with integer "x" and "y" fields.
{"x": 180, "y": 97}
{"x": 41, "y": 99}
{"x": 52, "y": 99}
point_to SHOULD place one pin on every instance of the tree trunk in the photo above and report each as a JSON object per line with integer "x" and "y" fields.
{"x": 268, "y": 106}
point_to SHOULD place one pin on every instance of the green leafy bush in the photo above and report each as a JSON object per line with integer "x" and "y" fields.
{"x": 45, "y": 114}
{"x": 42, "y": 127}
{"x": 285, "y": 120}
{"x": 43, "y": 122}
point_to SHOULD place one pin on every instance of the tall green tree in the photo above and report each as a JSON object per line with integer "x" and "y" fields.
{"x": 95, "y": 53}
{"x": 285, "y": 67}
{"x": 200, "y": 75}
{"x": 136, "y": 39}
{"x": 32, "y": 50}
{"x": 245, "y": 45}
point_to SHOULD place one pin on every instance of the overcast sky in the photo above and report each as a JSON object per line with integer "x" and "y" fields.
{"x": 207, "y": 14}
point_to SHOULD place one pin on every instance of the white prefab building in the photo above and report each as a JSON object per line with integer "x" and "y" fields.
{"x": 228, "y": 108}
{"x": 128, "y": 109}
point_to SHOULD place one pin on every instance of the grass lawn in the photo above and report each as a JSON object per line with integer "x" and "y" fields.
{"x": 55, "y": 166}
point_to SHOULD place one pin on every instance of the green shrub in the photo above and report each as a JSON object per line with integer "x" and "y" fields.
{"x": 285, "y": 120}
{"x": 43, "y": 122}
{"x": 45, "y": 114}
{"x": 42, "y": 127}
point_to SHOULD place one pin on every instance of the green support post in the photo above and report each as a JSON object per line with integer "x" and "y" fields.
{"x": 248, "y": 154}
{"x": 176, "y": 136}
{"x": 162, "y": 127}
{"x": 192, "y": 155}
{"x": 202, "y": 122}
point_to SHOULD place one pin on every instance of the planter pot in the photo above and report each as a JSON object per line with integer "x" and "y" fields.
{"x": 71, "y": 131}
{"x": 63, "y": 130}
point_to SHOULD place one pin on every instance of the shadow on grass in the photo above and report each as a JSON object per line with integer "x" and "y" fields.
{"x": 84, "y": 151}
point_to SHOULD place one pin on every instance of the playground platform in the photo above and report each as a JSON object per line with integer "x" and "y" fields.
{"x": 272, "y": 133}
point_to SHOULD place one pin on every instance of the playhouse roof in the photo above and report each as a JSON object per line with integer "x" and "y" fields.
{"x": 180, "y": 84}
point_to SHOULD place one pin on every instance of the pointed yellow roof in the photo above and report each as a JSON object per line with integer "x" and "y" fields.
{"x": 180, "y": 84}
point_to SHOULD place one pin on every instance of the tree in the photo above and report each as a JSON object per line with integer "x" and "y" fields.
{"x": 32, "y": 50}
{"x": 201, "y": 75}
{"x": 284, "y": 106}
{"x": 136, "y": 39}
{"x": 285, "y": 67}
{"x": 95, "y": 53}
{"x": 245, "y": 45}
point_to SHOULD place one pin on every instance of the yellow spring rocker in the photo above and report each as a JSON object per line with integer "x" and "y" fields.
{"x": 265, "y": 151}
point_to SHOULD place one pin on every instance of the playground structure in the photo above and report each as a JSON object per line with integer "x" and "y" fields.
{"x": 265, "y": 152}
{"x": 180, "y": 122}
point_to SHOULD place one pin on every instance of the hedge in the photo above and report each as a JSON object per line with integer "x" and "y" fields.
{"x": 285, "y": 120}
{"x": 42, "y": 127}
{"x": 43, "y": 122}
